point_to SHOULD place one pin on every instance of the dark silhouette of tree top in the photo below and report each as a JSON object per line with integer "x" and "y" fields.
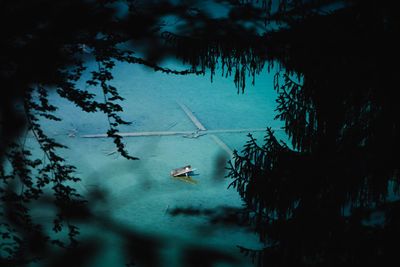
{"x": 311, "y": 202}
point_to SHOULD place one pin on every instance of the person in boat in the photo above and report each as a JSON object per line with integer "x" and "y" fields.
{"x": 187, "y": 169}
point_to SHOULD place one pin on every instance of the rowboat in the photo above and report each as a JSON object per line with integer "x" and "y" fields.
{"x": 185, "y": 170}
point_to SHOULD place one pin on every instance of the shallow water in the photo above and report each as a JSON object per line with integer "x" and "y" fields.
{"x": 140, "y": 194}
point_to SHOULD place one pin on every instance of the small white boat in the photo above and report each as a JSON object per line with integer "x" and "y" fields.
{"x": 183, "y": 171}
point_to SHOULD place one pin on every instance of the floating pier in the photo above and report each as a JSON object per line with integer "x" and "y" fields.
{"x": 191, "y": 116}
{"x": 201, "y": 127}
{"x": 138, "y": 134}
{"x": 201, "y": 130}
{"x": 166, "y": 133}
{"x": 222, "y": 144}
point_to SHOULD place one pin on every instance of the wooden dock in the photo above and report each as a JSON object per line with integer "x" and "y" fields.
{"x": 191, "y": 116}
{"x": 167, "y": 133}
{"x": 201, "y": 127}
{"x": 201, "y": 130}
{"x": 222, "y": 144}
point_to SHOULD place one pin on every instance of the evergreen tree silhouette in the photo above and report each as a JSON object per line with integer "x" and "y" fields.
{"x": 311, "y": 201}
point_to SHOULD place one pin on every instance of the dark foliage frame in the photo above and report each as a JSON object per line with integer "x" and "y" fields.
{"x": 336, "y": 159}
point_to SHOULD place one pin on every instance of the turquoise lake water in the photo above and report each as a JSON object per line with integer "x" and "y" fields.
{"x": 140, "y": 194}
